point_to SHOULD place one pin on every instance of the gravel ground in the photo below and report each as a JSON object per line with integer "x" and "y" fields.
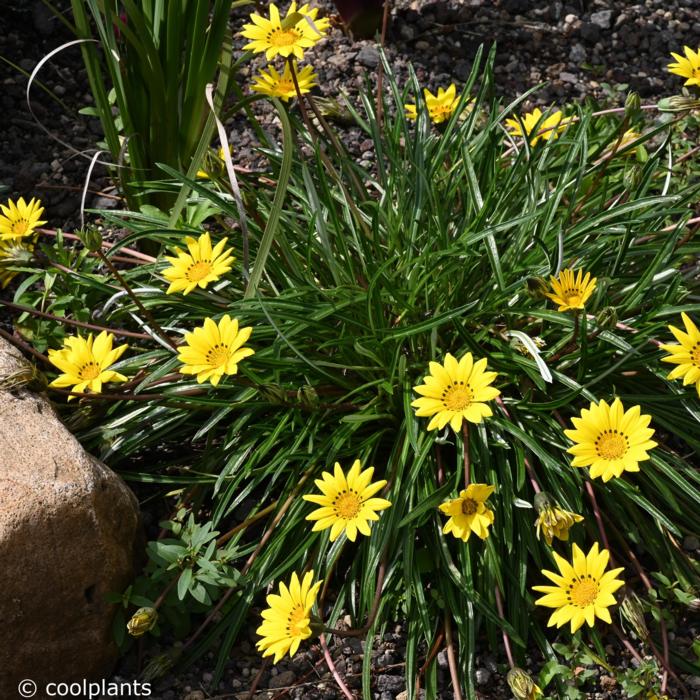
{"x": 597, "y": 49}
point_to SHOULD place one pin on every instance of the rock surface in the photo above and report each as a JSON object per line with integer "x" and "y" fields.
{"x": 69, "y": 528}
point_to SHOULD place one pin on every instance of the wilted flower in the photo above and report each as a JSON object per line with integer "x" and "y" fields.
{"x": 552, "y": 520}
{"x": 142, "y": 621}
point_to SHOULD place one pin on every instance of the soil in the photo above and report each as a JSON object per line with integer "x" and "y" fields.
{"x": 581, "y": 49}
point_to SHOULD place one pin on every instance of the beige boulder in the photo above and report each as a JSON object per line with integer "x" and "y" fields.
{"x": 69, "y": 528}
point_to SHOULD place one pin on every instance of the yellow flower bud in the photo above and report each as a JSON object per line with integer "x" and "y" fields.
{"x": 522, "y": 685}
{"x": 607, "y": 318}
{"x": 142, "y": 621}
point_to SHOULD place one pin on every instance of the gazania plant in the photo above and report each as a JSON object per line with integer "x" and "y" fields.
{"x": 390, "y": 414}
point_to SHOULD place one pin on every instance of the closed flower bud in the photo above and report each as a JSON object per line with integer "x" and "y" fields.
{"x": 159, "y": 665}
{"x": 552, "y": 520}
{"x": 694, "y": 605}
{"x": 607, "y": 318}
{"x": 522, "y": 685}
{"x": 632, "y": 177}
{"x": 633, "y": 612}
{"x": 633, "y": 104}
{"x": 91, "y": 238}
{"x": 537, "y": 288}
{"x": 142, "y": 621}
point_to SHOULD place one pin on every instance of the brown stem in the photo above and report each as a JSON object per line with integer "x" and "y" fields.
{"x": 167, "y": 590}
{"x": 251, "y": 560}
{"x": 127, "y": 288}
{"x": 105, "y": 244}
{"x": 362, "y": 631}
{"x": 428, "y": 659}
{"x": 465, "y": 454}
{"x": 25, "y": 347}
{"x": 380, "y": 68}
{"x": 599, "y": 520}
{"x": 71, "y": 322}
{"x": 451, "y": 660}
{"x": 334, "y": 671}
{"x": 246, "y": 523}
{"x": 627, "y": 643}
{"x": 506, "y": 638}
{"x": 258, "y": 678}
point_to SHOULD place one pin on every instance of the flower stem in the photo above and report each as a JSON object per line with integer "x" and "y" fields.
{"x": 599, "y": 519}
{"x": 451, "y": 660}
{"x": 334, "y": 671}
{"x": 127, "y": 288}
{"x": 465, "y": 454}
{"x": 506, "y": 638}
{"x": 80, "y": 324}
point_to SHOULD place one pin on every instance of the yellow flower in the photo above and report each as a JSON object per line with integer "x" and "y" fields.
{"x": 440, "y": 106}
{"x": 469, "y": 513}
{"x": 571, "y": 291}
{"x": 583, "y": 591}
{"x": 522, "y": 685}
{"x": 220, "y": 155}
{"x": 142, "y": 621}
{"x": 346, "y": 501}
{"x": 198, "y": 267}
{"x": 455, "y": 391}
{"x": 20, "y": 219}
{"x": 688, "y": 67}
{"x": 610, "y": 440}
{"x": 286, "y": 37}
{"x": 552, "y": 520}
{"x": 213, "y": 350}
{"x": 275, "y": 85}
{"x": 287, "y": 621}
{"x": 85, "y": 363}
{"x": 686, "y": 355}
{"x": 532, "y": 123}
{"x": 13, "y": 251}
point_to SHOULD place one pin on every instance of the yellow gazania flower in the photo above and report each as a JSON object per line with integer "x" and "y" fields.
{"x": 279, "y": 85}
{"x": 85, "y": 363}
{"x": 142, "y": 621}
{"x": 220, "y": 155}
{"x": 198, "y": 267}
{"x": 346, "y": 501}
{"x": 469, "y": 513}
{"x": 552, "y": 520}
{"x": 532, "y": 122}
{"x": 582, "y": 590}
{"x": 455, "y": 391}
{"x": 20, "y": 220}
{"x": 287, "y": 621}
{"x": 275, "y": 36}
{"x": 571, "y": 291}
{"x": 13, "y": 251}
{"x": 213, "y": 350}
{"x": 686, "y": 355}
{"x": 610, "y": 440}
{"x": 688, "y": 67}
{"x": 440, "y": 106}
{"x": 522, "y": 686}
